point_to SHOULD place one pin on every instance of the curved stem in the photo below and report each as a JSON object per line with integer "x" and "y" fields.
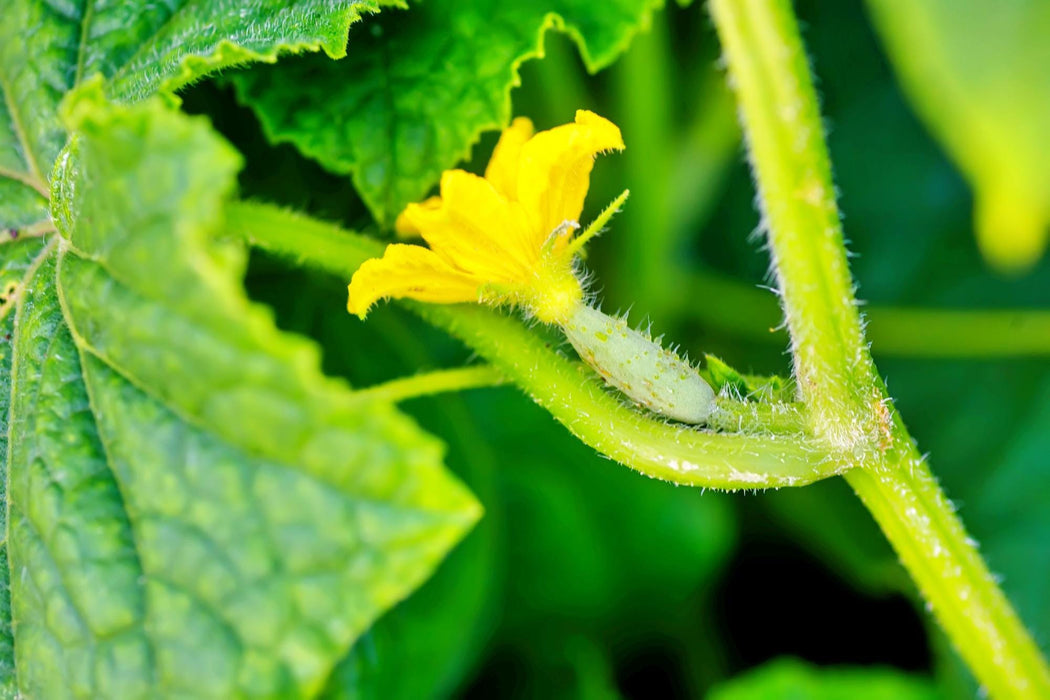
{"x": 567, "y": 389}
{"x": 845, "y": 399}
{"x": 778, "y": 107}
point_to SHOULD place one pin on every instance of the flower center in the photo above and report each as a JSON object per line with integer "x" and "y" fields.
{"x": 555, "y": 294}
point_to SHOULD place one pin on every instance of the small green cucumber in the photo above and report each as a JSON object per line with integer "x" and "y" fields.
{"x": 629, "y": 360}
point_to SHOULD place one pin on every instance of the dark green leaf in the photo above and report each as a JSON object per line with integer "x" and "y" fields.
{"x": 418, "y": 88}
{"x": 747, "y": 386}
{"x": 141, "y": 49}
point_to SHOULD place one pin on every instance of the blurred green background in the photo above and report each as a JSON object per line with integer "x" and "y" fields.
{"x": 587, "y": 580}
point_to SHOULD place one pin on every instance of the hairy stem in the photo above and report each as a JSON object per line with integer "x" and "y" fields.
{"x": 920, "y": 522}
{"x": 844, "y": 397}
{"x": 760, "y": 458}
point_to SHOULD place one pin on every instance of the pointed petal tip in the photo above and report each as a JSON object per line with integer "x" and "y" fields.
{"x": 354, "y": 304}
{"x": 607, "y": 133}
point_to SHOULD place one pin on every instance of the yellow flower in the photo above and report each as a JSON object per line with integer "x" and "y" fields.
{"x": 502, "y": 238}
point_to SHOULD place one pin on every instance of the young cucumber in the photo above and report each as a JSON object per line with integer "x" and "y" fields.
{"x": 629, "y": 360}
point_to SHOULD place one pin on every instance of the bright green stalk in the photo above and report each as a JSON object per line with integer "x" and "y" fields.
{"x": 963, "y": 333}
{"x": 746, "y": 310}
{"x": 837, "y": 380}
{"x": 436, "y": 382}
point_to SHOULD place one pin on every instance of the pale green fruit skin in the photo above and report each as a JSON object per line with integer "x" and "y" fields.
{"x": 650, "y": 375}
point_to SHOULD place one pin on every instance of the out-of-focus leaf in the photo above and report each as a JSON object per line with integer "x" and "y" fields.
{"x": 978, "y": 74}
{"x": 790, "y": 679}
{"x": 418, "y": 88}
{"x": 592, "y": 544}
{"x": 194, "y": 507}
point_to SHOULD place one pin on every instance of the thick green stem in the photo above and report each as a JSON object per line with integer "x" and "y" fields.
{"x": 912, "y": 510}
{"x": 736, "y": 416}
{"x": 844, "y": 397}
{"x": 757, "y": 458}
{"x": 778, "y": 105}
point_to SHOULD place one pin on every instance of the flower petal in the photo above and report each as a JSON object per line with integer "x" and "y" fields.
{"x": 555, "y": 169}
{"x": 475, "y": 229}
{"x": 409, "y": 271}
{"x": 405, "y": 227}
{"x": 502, "y": 170}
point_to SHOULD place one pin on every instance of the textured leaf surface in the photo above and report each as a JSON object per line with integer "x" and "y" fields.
{"x": 418, "y": 88}
{"x": 199, "y": 511}
{"x": 16, "y": 257}
{"x": 141, "y": 48}
{"x": 977, "y": 72}
{"x": 789, "y": 679}
{"x": 424, "y": 646}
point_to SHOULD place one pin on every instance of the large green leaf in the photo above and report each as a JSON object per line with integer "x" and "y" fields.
{"x": 423, "y": 647}
{"x": 419, "y": 87}
{"x": 789, "y": 679}
{"x": 46, "y": 49}
{"x": 977, "y": 73}
{"x": 195, "y": 509}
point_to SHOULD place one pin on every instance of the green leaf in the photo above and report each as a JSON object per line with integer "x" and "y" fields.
{"x": 790, "y": 679}
{"x": 16, "y": 257}
{"x": 195, "y": 508}
{"x": 423, "y": 647}
{"x": 418, "y": 88}
{"x": 976, "y": 72}
{"x": 141, "y": 49}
